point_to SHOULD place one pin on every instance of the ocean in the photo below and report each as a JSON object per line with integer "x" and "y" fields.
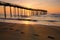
{"x": 51, "y": 19}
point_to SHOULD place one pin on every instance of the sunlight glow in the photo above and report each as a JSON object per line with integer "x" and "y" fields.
{"x": 27, "y": 12}
{"x": 26, "y": 22}
{"x": 28, "y": 5}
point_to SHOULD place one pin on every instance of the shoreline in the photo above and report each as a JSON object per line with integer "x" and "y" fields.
{"x": 23, "y": 21}
{"x": 29, "y": 24}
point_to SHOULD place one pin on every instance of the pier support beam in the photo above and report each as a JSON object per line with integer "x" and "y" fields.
{"x": 32, "y": 13}
{"x": 5, "y": 11}
{"x": 45, "y": 13}
{"x": 18, "y": 12}
{"x": 23, "y": 12}
{"x": 36, "y": 13}
{"x": 10, "y": 12}
{"x": 29, "y": 12}
{"x": 14, "y": 11}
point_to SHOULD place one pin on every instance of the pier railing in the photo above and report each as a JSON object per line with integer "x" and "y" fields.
{"x": 19, "y": 11}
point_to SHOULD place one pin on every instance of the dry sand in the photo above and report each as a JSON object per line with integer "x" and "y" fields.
{"x": 11, "y": 31}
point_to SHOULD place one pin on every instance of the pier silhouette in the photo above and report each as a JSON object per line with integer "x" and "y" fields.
{"x": 21, "y": 10}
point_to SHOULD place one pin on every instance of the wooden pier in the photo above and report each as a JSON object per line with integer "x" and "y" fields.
{"x": 21, "y": 11}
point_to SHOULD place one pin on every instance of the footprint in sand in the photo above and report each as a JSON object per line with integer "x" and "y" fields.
{"x": 22, "y": 32}
{"x": 36, "y": 35}
{"x": 51, "y": 37}
{"x": 5, "y": 29}
{"x": 11, "y": 28}
{"x": 17, "y": 30}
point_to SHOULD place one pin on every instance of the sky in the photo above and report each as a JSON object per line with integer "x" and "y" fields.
{"x": 52, "y": 6}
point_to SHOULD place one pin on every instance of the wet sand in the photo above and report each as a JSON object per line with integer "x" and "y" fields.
{"x": 13, "y": 31}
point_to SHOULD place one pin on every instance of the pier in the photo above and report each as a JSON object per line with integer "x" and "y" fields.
{"x": 20, "y": 11}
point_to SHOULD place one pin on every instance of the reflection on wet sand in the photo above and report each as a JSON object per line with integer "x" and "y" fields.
{"x": 13, "y": 31}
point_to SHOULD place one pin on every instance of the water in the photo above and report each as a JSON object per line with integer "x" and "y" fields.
{"x": 44, "y": 20}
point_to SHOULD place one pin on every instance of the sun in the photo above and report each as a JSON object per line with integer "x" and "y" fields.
{"x": 29, "y": 6}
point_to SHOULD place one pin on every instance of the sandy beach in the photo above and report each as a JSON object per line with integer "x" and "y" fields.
{"x": 13, "y": 31}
